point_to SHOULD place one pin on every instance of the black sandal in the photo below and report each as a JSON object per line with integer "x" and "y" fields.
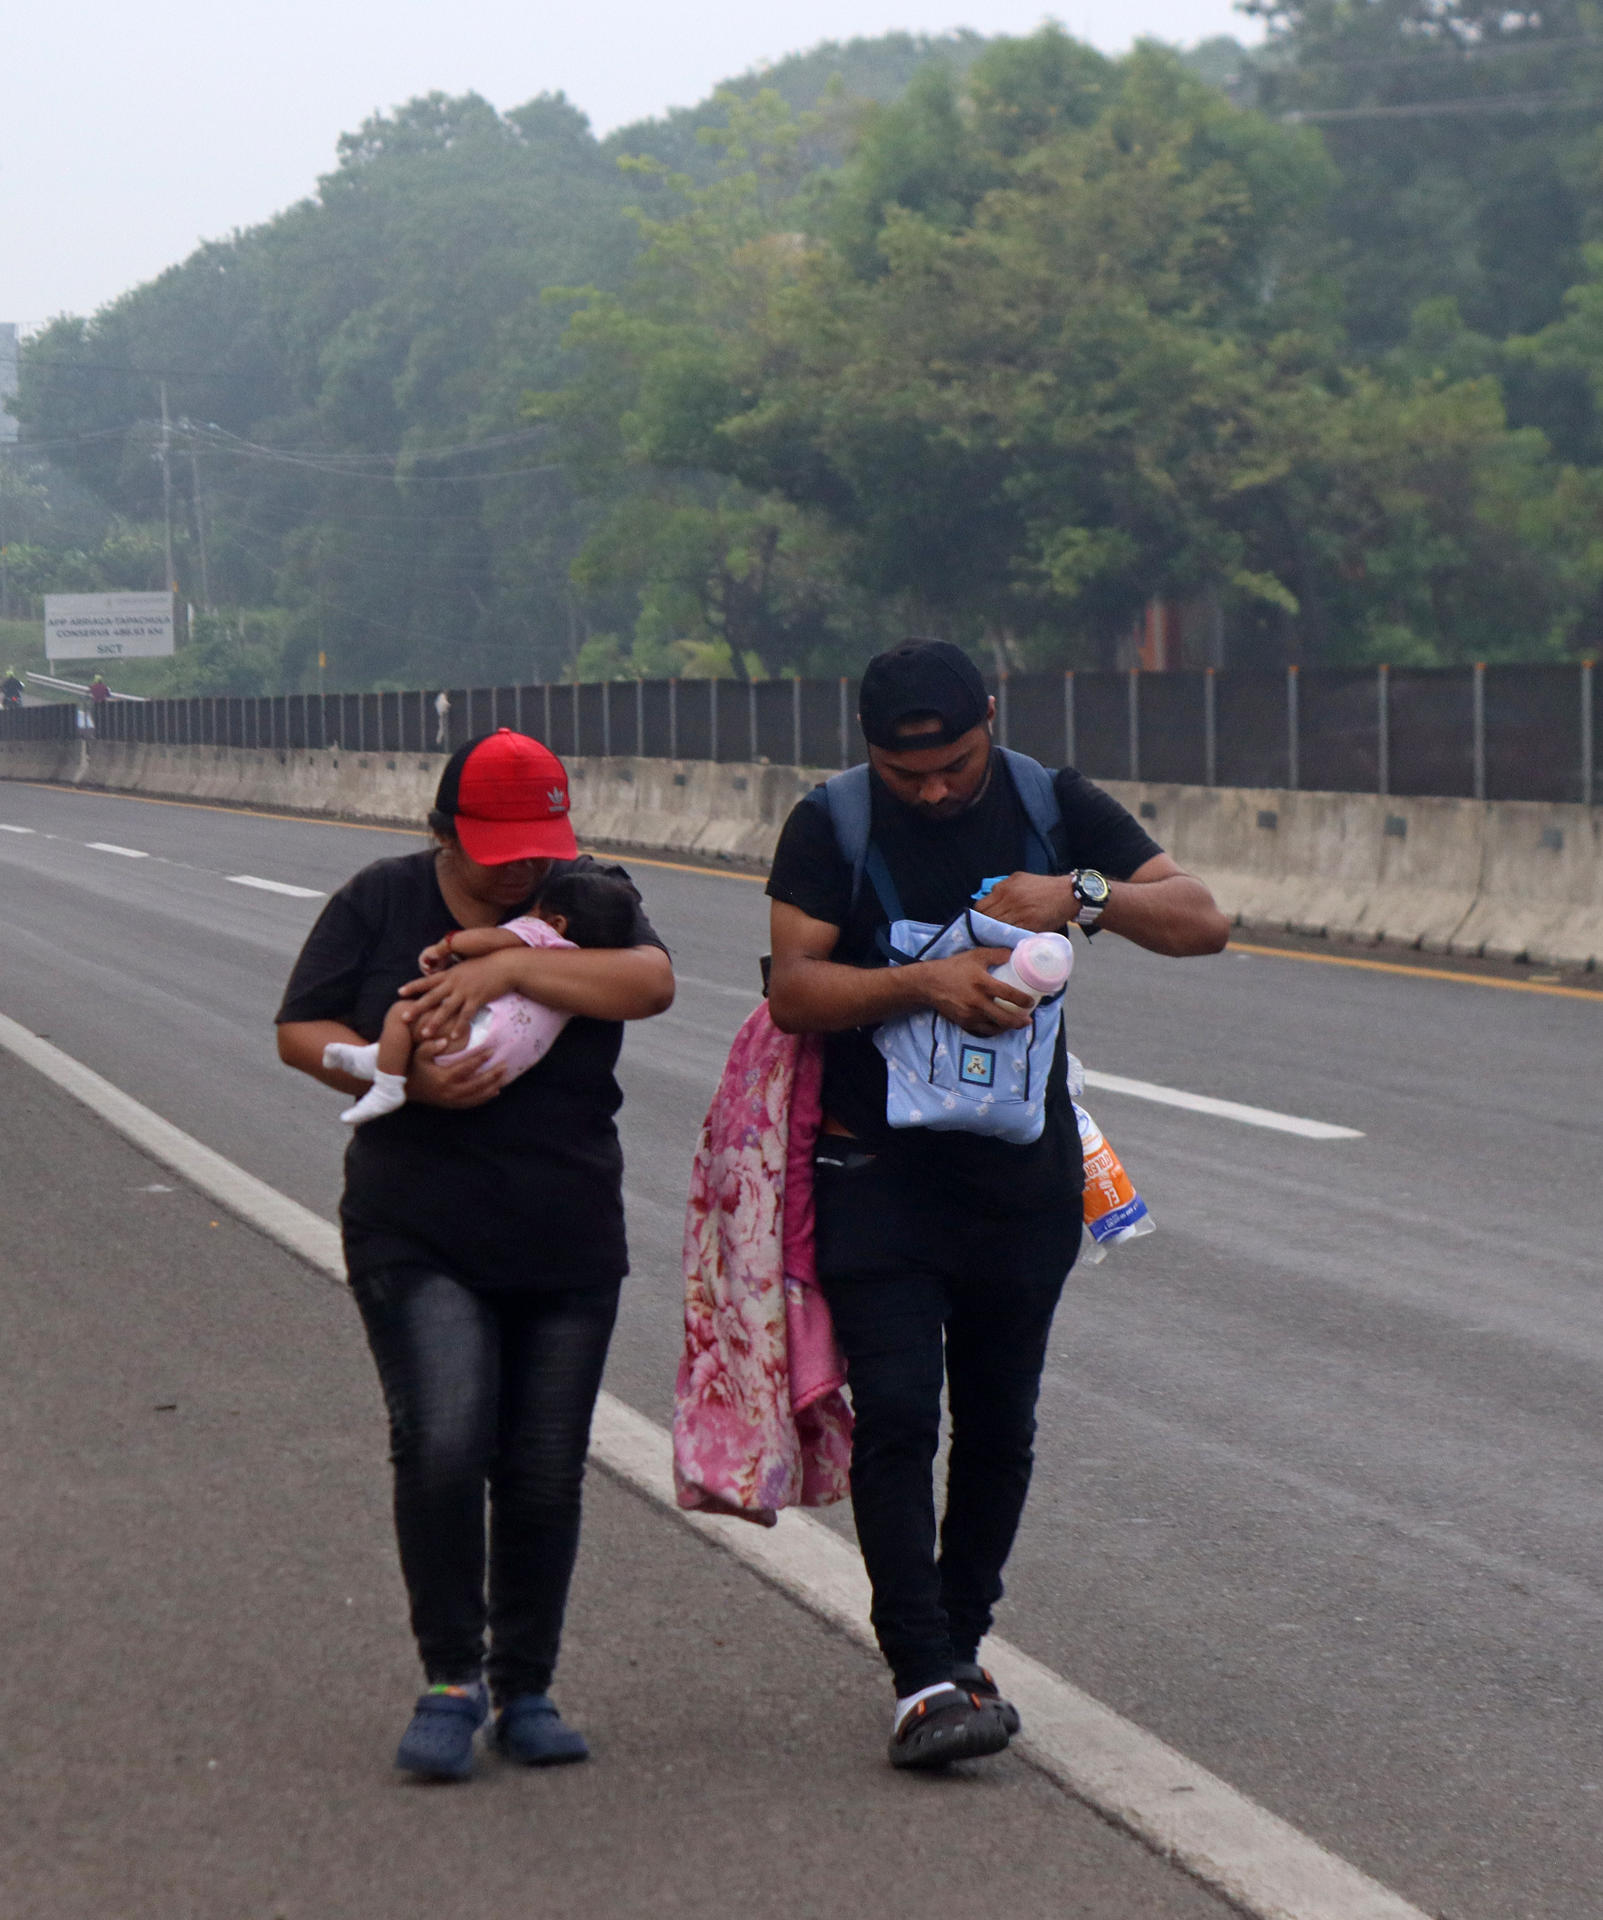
{"x": 977, "y": 1680}
{"x": 955, "y": 1724}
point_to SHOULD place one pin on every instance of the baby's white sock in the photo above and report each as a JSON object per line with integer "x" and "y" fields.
{"x": 339, "y": 1056}
{"x": 386, "y": 1094}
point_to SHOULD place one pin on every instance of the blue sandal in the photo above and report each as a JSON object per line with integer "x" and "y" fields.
{"x": 529, "y": 1729}
{"x": 438, "y": 1744}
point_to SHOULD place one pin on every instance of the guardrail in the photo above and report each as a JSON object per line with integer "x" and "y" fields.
{"x": 39, "y": 723}
{"x": 1483, "y": 732}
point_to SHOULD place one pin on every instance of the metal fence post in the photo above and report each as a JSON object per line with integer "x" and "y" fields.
{"x": 545, "y": 690}
{"x": 640, "y": 719}
{"x": 673, "y": 718}
{"x": 1293, "y": 729}
{"x": 1001, "y": 708}
{"x": 1383, "y": 731}
{"x": 576, "y": 719}
{"x": 606, "y": 719}
{"x": 1068, "y": 718}
{"x": 1210, "y": 728}
{"x": 1588, "y": 744}
{"x": 1134, "y": 698}
{"x": 517, "y": 708}
{"x": 751, "y": 720}
{"x": 1478, "y": 689}
{"x": 795, "y": 721}
{"x": 843, "y": 759}
{"x": 712, "y": 720}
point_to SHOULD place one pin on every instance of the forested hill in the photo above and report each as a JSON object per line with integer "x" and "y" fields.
{"x": 999, "y": 338}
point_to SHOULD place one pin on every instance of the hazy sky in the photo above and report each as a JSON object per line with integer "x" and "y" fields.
{"x": 131, "y": 129}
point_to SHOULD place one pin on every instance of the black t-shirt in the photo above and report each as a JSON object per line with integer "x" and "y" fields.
{"x": 938, "y": 866}
{"x": 525, "y": 1191}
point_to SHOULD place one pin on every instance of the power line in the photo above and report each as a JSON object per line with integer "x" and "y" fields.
{"x": 1433, "y": 109}
{"x": 224, "y": 440}
{"x": 1442, "y": 57}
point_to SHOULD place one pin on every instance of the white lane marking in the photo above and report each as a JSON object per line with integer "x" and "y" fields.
{"x": 5, "y": 829}
{"x": 107, "y": 846}
{"x": 271, "y": 1212}
{"x": 1117, "y": 1083}
{"x": 1184, "y": 1813}
{"x": 275, "y": 886}
{"x": 1220, "y": 1109}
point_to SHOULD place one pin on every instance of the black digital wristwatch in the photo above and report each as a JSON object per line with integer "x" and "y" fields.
{"x": 1091, "y": 892}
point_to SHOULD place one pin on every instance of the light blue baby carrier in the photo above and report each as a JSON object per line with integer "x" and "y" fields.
{"x": 938, "y": 1076}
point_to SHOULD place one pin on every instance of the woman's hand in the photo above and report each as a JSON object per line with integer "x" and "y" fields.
{"x": 466, "y": 1082}
{"x": 443, "y": 1003}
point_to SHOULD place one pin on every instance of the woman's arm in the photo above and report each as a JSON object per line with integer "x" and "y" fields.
{"x": 301, "y": 1044}
{"x": 598, "y": 983}
{"x": 467, "y": 1082}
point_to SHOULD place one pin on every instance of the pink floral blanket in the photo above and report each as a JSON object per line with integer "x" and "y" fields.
{"x": 760, "y": 1422}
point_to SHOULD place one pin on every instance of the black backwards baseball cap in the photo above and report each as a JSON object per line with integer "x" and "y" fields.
{"x": 918, "y": 679}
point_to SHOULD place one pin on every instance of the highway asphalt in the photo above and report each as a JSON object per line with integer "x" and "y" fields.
{"x": 1319, "y": 1473}
{"x": 207, "y": 1663}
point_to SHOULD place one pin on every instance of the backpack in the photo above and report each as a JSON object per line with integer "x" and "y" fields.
{"x": 846, "y": 799}
{"x": 938, "y": 1076}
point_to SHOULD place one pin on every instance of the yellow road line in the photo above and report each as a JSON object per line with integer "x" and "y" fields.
{"x": 757, "y": 879}
{"x": 682, "y": 866}
{"x": 419, "y": 832}
{"x": 1418, "y": 973}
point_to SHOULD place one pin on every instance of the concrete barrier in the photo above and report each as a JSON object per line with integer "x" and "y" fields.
{"x": 1512, "y": 879}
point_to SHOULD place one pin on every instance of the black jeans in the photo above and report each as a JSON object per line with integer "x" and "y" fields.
{"x": 486, "y": 1391}
{"x": 915, "y": 1276}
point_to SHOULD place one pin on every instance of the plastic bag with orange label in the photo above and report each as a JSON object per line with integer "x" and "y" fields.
{"x": 1114, "y": 1211}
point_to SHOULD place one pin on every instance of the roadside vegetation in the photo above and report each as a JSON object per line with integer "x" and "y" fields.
{"x": 996, "y": 339}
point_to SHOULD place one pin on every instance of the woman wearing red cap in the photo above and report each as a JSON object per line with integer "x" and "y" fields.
{"x": 483, "y": 1234}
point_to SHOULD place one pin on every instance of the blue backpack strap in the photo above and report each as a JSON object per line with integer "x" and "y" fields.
{"x": 1037, "y": 791}
{"x": 848, "y": 802}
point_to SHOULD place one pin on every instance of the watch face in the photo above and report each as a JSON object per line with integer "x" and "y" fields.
{"x": 1093, "y": 889}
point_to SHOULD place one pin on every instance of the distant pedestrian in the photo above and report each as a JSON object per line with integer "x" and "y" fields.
{"x": 99, "y": 695}
{"x": 11, "y": 688}
{"x": 484, "y": 1233}
{"x": 442, "y": 718}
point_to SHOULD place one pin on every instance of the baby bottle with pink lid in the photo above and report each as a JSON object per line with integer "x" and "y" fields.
{"x": 1040, "y": 966}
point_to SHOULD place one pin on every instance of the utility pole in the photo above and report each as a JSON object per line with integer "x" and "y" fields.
{"x": 167, "y": 485}
{"x": 198, "y": 503}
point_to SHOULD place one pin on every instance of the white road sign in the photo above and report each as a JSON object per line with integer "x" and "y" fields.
{"x": 108, "y": 626}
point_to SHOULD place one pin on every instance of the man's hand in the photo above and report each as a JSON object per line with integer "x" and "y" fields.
{"x": 1038, "y": 902}
{"x": 1158, "y": 907}
{"x": 961, "y": 990}
{"x": 468, "y": 1082}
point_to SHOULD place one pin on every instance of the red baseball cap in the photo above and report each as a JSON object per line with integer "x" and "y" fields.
{"x": 507, "y": 796}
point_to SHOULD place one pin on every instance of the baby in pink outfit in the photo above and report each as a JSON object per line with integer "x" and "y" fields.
{"x": 574, "y": 910}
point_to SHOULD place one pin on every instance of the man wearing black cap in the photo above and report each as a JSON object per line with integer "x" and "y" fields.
{"x": 943, "y": 1253}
